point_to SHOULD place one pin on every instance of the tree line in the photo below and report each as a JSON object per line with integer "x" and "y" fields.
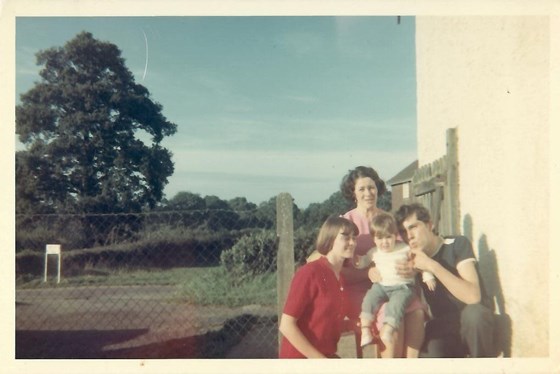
{"x": 87, "y": 160}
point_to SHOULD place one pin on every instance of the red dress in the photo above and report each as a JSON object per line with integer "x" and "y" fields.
{"x": 315, "y": 299}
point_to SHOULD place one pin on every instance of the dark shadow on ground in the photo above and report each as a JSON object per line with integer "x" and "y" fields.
{"x": 40, "y": 344}
{"x": 261, "y": 341}
{"x": 90, "y": 344}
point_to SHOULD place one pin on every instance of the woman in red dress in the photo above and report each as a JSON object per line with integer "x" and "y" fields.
{"x": 312, "y": 320}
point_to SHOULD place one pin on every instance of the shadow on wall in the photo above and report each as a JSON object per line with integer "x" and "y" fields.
{"x": 492, "y": 288}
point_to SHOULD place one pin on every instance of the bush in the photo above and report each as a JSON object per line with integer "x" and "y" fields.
{"x": 253, "y": 254}
{"x": 304, "y": 244}
{"x": 169, "y": 249}
{"x": 256, "y": 253}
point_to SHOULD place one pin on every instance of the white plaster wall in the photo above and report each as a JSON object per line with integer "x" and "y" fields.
{"x": 488, "y": 76}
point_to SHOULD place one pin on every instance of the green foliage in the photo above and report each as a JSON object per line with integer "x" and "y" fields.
{"x": 317, "y": 213}
{"x": 266, "y": 213}
{"x": 216, "y": 286}
{"x": 33, "y": 233}
{"x": 251, "y": 255}
{"x": 153, "y": 250}
{"x": 209, "y": 212}
{"x": 256, "y": 253}
{"x": 186, "y": 201}
{"x": 304, "y": 243}
{"x": 385, "y": 201}
{"x": 79, "y": 125}
{"x": 240, "y": 204}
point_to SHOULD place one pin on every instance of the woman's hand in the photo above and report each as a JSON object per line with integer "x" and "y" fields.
{"x": 374, "y": 275}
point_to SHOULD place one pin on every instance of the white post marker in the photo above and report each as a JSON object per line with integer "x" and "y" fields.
{"x": 53, "y": 249}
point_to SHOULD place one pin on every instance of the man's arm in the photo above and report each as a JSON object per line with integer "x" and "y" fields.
{"x": 465, "y": 287}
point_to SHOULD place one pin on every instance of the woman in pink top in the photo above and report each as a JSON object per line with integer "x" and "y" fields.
{"x": 363, "y": 186}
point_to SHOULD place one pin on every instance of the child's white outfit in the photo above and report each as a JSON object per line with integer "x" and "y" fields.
{"x": 393, "y": 289}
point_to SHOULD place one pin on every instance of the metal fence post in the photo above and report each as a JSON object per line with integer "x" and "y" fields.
{"x": 285, "y": 259}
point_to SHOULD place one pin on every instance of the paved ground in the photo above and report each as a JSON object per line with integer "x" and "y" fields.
{"x": 134, "y": 322}
{"x": 142, "y": 322}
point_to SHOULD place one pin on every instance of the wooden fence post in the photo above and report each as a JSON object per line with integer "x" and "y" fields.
{"x": 285, "y": 259}
{"x": 452, "y": 198}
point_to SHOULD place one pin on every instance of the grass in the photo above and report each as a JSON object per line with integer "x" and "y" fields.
{"x": 118, "y": 277}
{"x": 216, "y": 287}
{"x": 198, "y": 285}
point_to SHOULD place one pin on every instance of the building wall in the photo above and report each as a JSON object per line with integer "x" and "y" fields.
{"x": 489, "y": 77}
{"x": 397, "y": 195}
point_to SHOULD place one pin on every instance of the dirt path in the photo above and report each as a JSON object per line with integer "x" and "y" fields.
{"x": 125, "y": 322}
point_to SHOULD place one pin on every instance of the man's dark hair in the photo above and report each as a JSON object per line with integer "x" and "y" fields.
{"x": 407, "y": 210}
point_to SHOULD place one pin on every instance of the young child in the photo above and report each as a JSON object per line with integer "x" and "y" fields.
{"x": 393, "y": 289}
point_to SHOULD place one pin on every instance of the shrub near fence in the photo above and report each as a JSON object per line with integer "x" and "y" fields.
{"x": 161, "y": 284}
{"x": 171, "y": 249}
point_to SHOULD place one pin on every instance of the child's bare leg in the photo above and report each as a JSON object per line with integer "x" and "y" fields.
{"x": 391, "y": 338}
{"x": 386, "y": 334}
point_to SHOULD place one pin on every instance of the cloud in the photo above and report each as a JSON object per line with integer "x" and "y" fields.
{"x": 289, "y": 134}
{"x": 258, "y": 175}
{"x": 301, "y": 99}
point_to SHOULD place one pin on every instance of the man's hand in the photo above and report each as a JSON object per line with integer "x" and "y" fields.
{"x": 421, "y": 261}
{"x": 405, "y": 267}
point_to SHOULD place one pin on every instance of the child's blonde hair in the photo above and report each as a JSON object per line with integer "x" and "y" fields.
{"x": 382, "y": 225}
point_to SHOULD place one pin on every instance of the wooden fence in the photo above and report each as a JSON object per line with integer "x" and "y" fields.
{"x": 436, "y": 186}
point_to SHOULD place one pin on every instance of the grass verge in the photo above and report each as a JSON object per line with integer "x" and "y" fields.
{"x": 199, "y": 285}
{"x": 217, "y": 287}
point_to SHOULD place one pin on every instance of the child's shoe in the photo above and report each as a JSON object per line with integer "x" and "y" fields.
{"x": 367, "y": 337}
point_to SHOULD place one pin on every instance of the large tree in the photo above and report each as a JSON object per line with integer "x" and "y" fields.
{"x": 83, "y": 125}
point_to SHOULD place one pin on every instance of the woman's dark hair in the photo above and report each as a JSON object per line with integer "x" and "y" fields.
{"x": 349, "y": 181}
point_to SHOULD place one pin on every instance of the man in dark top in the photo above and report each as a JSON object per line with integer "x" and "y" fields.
{"x": 460, "y": 326}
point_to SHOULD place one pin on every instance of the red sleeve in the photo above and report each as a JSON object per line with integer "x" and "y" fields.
{"x": 300, "y": 294}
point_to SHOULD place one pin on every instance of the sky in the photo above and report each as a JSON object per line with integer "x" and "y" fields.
{"x": 263, "y": 105}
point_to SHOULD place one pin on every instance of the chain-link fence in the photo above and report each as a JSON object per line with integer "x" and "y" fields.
{"x": 167, "y": 284}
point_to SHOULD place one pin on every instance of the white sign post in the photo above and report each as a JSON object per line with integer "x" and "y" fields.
{"x": 53, "y": 249}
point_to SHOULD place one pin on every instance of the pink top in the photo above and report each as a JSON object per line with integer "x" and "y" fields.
{"x": 364, "y": 241}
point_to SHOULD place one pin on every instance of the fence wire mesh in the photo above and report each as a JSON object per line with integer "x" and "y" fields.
{"x": 170, "y": 284}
